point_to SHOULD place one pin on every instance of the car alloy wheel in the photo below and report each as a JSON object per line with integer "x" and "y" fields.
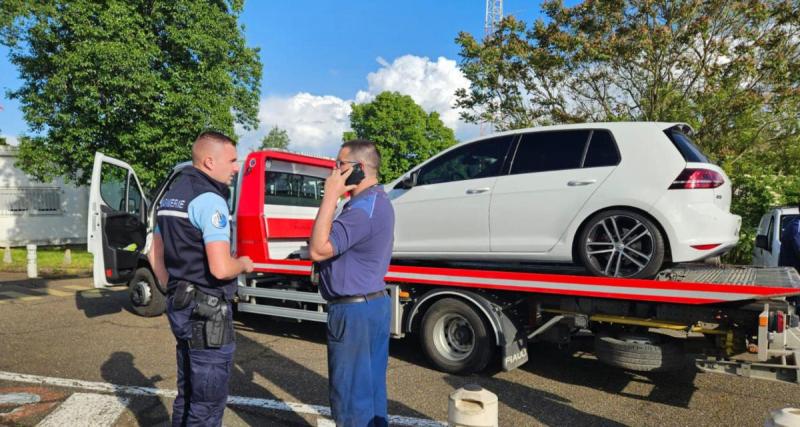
{"x": 620, "y": 245}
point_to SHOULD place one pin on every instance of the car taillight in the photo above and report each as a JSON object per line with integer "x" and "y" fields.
{"x": 697, "y": 178}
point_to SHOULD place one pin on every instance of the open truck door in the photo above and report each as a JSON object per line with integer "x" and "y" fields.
{"x": 117, "y": 222}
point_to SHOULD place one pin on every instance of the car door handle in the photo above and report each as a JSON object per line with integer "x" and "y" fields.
{"x": 581, "y": 183}
{"x": 477, "y": 190}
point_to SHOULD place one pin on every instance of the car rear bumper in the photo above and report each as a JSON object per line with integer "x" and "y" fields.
{"x": 697, "y": 231}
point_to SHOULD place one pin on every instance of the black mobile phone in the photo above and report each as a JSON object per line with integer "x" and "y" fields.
{"x": 356, "y": 176}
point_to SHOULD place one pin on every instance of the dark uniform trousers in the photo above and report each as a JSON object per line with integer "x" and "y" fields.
{"x": 202, "y": 373}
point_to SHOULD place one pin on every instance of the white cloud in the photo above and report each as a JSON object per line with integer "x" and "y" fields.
{"x": 431, "y": 84}
{"x": 315, "y": 123}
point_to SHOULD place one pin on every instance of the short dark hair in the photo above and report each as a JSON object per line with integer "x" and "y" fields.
{"x": 365, "y": 150}
{"x": 215, "y": 135}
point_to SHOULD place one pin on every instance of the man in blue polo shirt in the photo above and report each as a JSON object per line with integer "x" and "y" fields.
{"x": 790, "y": 245}
{"x": 354, "y": 251}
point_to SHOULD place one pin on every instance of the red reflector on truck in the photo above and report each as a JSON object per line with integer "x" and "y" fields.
{"x": 705, "y": 247}
{"x": 109, "y": 272}
{"x": 691, "y": 179}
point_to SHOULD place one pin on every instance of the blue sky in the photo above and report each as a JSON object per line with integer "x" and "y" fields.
{"x": 319, "y": 56}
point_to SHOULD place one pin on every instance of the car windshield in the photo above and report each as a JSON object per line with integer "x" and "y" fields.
{"x": 688, "y": 150}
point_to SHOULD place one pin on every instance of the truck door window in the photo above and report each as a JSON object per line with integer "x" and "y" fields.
{"x": 134, "y": 197}
{"x": 112, "y": 186}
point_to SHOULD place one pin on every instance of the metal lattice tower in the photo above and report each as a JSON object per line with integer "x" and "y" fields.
{"x": 494, "y": 13}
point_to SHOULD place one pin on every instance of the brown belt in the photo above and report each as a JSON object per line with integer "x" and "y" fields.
{"x": 358, "y": 298}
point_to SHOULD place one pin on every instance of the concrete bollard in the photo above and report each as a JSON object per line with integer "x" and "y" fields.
{"x": 67, "y": 258}
{"x": 7, "y": 256}
{"x": 472, "y": 406}
{"x": 786, "y": 417}
{"x": 32, "y": 270}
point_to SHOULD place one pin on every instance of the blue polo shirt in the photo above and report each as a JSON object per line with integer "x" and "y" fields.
{"x": 790, "y": 245}
{"x": 362, "y": 237}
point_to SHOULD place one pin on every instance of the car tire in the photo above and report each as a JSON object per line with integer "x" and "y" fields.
{"x": 621, "y": 243}
{"x": 145, "y": 297}
{"x": 642, "y": 353}
{"x": 456, "y": 337}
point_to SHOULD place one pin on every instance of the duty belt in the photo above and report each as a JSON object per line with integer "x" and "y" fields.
{"x": 358, "y": 298}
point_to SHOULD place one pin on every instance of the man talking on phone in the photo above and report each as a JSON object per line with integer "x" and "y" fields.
{"x": 353, "y": 251}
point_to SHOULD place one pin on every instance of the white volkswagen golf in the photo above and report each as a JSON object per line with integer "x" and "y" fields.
{"x": 621, "y": 199}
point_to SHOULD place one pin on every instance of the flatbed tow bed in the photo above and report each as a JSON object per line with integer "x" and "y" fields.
{"x": 751, "y": 327}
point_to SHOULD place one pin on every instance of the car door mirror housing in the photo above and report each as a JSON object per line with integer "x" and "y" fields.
{"x": 761, "y": 242}
{"x": 408, "y": 181}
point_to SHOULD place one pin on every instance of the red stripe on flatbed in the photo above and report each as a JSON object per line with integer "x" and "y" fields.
{"x": 455, "y": 277}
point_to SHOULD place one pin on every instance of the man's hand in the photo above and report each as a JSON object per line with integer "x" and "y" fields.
{"x": 247, "y": 264}
{"x": 335, "y": 183}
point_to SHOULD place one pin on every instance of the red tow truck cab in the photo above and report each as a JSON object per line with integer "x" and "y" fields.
{"x": 298, "y": 179}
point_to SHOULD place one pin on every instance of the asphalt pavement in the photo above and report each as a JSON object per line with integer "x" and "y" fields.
{"x": 65, "y": 345}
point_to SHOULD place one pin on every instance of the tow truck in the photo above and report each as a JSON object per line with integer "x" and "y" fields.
{"x": 739, "y": 320}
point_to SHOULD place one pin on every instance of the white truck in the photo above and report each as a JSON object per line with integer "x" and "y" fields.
{"x": 768, "y": 236}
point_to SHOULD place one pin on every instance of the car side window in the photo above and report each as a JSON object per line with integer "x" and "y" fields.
{"x": 550, "y": 151}
{"x": 602, "y": 150}
{"x": 482, "y": 159}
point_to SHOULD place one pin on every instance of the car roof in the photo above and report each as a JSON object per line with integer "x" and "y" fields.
{"x": 787, "y": 209}
{"x": 612, "y": 126}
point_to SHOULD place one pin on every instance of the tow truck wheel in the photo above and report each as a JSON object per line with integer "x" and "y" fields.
{"x": 146, "y": 299}
{"x": 621, "y": 243}
{"x": 456, "y": 338}
{"x": 643, "y": 352}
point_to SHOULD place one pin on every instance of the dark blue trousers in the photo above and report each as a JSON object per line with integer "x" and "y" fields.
{"x": 202, "y": 375}
{"x": 358, "y": 352}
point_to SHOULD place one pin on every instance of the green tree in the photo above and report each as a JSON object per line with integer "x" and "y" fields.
{"x": 730, "y": 69}
{"x": 404, "y": 133}
{"x": 276, "y": 138}
{"x": 135, "y": 79}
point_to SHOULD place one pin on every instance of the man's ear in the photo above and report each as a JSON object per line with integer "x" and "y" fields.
{"x": 208, "y": 162}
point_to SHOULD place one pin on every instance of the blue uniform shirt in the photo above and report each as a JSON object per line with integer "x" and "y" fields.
{"x": 362, "y": 237}
{"x": 790, "y": 245}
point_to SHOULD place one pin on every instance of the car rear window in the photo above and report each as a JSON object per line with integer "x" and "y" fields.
{"x": 686, "y": 147}
{"x": 550, "y": 151}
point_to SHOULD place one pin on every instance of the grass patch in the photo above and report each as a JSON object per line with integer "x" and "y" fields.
{"x": 49, "y": 260}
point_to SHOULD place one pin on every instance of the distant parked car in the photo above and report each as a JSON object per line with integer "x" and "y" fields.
{"x": 620, "y": 198}
{"x": 768, "y": 235}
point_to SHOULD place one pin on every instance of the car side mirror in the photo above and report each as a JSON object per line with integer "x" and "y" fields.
{"x": 761, "y": 242}
{"x": 408, "y": 181}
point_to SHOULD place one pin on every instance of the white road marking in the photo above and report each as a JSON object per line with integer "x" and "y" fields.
{"x": 86, "y": 409}
{"x": 19, "y": 398}
{"x": 324, "y": 422}
{"x": 277, "y": 405}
